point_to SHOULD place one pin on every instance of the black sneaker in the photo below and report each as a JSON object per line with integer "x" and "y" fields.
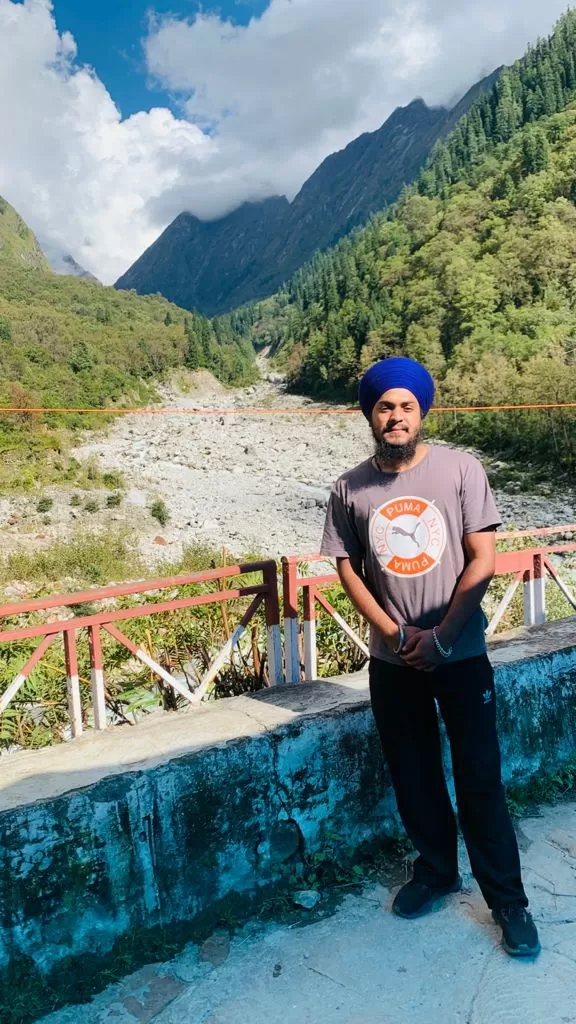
{"x": 519, "y": 934}
{"x": 416, "y": 899}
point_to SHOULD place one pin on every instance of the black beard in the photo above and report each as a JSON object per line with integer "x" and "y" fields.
{"x": 395, "y": 453}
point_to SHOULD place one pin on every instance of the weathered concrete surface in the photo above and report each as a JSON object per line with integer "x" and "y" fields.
{"x": 45, "y": 774}
{"x": 364, "y": 966}
{"x": 148, "y": 827}
{"x": 229, "y": 800}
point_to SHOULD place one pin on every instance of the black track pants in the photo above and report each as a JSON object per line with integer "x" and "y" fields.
{"x": 404, "y": 706}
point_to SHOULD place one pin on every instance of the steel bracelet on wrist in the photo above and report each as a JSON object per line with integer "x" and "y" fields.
{"x": 444, "y": 653}
{"x": 397, "y": 650}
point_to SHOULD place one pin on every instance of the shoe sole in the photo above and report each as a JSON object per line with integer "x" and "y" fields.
{"x": 522, "y": 951}
{"x": 428, "y": 907}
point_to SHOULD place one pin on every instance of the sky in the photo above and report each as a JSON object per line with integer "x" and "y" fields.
{"x": 116, "y": 115}
{"x": 109, "y": 35}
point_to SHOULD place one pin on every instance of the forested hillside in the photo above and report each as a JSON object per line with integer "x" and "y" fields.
{"x": 474, "y": 271}
{"x": 73, "y": 342}
{"x": 17, "y": 241}
{"x": 65, "y": 342}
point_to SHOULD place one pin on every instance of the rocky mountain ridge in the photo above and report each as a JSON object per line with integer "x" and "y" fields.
{"x": 216, "y": 266}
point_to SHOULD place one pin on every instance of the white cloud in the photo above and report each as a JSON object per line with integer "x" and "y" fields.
{"x": 77, "y": 173}
{"x": 310, "y": 75}
{"x": 261, "y": 106}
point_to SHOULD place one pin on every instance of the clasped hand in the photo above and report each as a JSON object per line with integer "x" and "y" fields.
{"x": 420, "y": 651}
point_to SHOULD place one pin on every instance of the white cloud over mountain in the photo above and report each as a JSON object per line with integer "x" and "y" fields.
{"x": 261, "y": 105}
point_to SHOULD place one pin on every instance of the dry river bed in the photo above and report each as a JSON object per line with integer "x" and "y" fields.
{"x": 252, "y": 484}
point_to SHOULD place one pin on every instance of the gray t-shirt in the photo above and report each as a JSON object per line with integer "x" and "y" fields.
{"x": 408, "y": 529}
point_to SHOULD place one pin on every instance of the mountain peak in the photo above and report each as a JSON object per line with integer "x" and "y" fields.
{"x": 250, "y": 207}
{"x": 62, "y": 262}
{"x": 416, "y": 104}
{"x": 214, "y": 266}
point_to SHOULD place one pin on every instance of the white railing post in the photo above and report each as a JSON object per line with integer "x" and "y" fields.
{"x": 310, "y": 646}
{"x": 73, "y": 683}
{"x": 97, "y": 677}
{"x": 273, "y": 631}
{"x": 539, "y": 590}
{"x": 529, "y": 613}
{"x": 274, "y": 653}
{"x": 290, "y": 602}
{"x": 535, "y": 593}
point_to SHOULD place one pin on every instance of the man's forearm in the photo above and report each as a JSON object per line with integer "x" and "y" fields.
{"x": 467, "y": 599}
{"x": 365, "y": 602}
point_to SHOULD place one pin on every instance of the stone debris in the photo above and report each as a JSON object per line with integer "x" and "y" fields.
{"x": 216, "y": 949}
{"x": 307, "y": 898}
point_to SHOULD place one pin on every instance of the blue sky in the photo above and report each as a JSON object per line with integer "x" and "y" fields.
{"x": 109, "y": 34}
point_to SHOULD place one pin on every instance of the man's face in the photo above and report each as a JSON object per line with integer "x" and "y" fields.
{"x": 396, "y": 425}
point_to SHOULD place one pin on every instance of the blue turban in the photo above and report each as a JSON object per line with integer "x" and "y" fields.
{"x": 398, "y": 372}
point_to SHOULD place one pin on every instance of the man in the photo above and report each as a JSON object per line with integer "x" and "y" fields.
{"x": 413, "y": 532}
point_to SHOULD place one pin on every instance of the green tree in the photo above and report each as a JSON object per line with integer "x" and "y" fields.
{"x": 81, "y": 358}
{"x": 535, "y": 151}
{"x": 193, "y": 353}
{"x": 330, "y": 290}
{"x": 507, "y": 112}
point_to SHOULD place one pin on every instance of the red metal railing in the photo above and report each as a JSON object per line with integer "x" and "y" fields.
{"x": 529, "y": 567}
{"x": 265, "y": 593}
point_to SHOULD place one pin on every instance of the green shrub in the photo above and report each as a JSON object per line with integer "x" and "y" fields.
{"x": 45, "y": 504}
{"x": 114, "y": 500}
{"x": 159, "y": 511}
{"x": 75, "y": 500}
{"x": 113, "y": 479}
{"x": 92, "y": 469}
{"x": 91, "y": 505}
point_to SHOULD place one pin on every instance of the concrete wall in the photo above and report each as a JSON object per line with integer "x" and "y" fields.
{"x": 145, "y": 827}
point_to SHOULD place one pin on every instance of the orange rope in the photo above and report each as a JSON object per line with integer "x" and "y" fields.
{"x": 254, "y": 411}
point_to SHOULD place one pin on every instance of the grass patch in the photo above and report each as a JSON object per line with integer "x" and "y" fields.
{"x": 33, "y": 461}
{"x": 549, "y": 788}
{"x": 114, "y": 480}
{"x": 90, "y": 558}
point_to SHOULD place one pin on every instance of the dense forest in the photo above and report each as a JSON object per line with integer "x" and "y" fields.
{"x": 66, "y": 342}
{"x": 472, "y": 272}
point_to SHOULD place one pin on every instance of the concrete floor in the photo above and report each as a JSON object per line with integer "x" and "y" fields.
{"x": 363, "y": 966}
